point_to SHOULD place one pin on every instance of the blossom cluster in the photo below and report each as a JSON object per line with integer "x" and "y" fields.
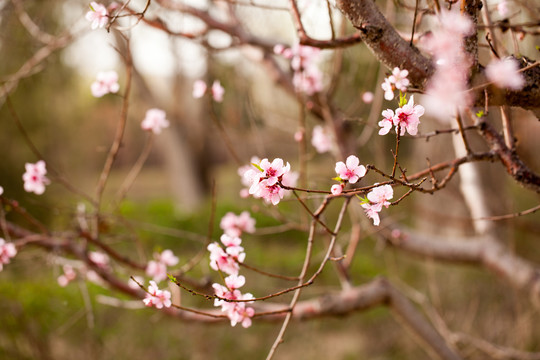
{"x": 307, "y": 77}
{"x": 237, "y": 312}
{"x": 157, "y": 268}
{"x": 266, "y": 179}
{"x": 200, "y": 88}
{"x": 398, "y": 80}
{"x": 156, "y": 297}
{"x": 7, "y": 251}
{"x": 376, "y": 199}
{"x": 349, "y": 171}
{"x": 227, "y": 261}
{"x": 406, "y": 118}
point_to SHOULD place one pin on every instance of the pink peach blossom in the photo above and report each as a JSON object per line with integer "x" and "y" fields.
{"x": 34, "y": 178}
{"x": 386, "y": 123}
{"x": 351, "y": 170}
{"x": 408, "y": 117}
{"x": 156, "y": 297}
{"x": 336, "y": 189}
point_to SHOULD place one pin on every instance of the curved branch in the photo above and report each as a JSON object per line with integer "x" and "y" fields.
{"x": 483, "y": 251}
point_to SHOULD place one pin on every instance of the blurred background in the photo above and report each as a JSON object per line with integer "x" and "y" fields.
{"x": 169, "y": 205}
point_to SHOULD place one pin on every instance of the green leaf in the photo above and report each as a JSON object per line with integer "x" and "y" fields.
{"x": 363, "y": 200}
{"x": 91, "y": 8}
{"x": 402, "y": 99}
{"x": 480, "y": 114}
{"x": 337, "y": 178}
{"x": 258, "y": 167}
{"x": 172, "y": 278}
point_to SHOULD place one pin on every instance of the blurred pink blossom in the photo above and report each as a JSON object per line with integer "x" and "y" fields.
{"x": 7, "y": 251}
{"x": 199, "y": 88}
{"x": 367, "y": 97}
{"x": 34, "y": 178}
{"x": 321, "y": 139}
{"x": 155, "y": 121}
{"x": 447, "y": 87}
{"x": 504, "y": 73}
{"x": 217, "y": 91}
{"x": 106, "y": 82}
{"x": 68, "y": 276}
{"x": 235, "y": 225}
{"x": 98, "y": 15}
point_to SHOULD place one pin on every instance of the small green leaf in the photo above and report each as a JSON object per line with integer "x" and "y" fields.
{"x": 402, "y": 99}
{"x": 337, "y": 178}
{"x": 172, "y": 278}
{"x": 91, "y": 8}
{"x": 480, "y": 114}
{"x": 363, "y": 200}
{"x": 258, "y": 167}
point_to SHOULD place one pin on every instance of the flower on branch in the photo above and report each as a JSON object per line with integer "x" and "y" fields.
{"x": 266, "y": 178}
{"x": 7, "y": 251}
{"x": 386, "y": 123}
{"x": 34, "y": 178}
{"x": 397, "y": 80}
{"x": 155, "y": 121}
{"x": 376, "y": 199}
{"x": 407, "y": 117}
{"x": 504, "y": 73}
{"x": 336, "y": 189}
{"x": 98, "y": 15}
{"x": 226, "y": 260}
{"x": 106, "y": 82}
{"x": 350, "y": 170}
{"x": 237, "y": 312}
{"x": 156, "y": 297}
